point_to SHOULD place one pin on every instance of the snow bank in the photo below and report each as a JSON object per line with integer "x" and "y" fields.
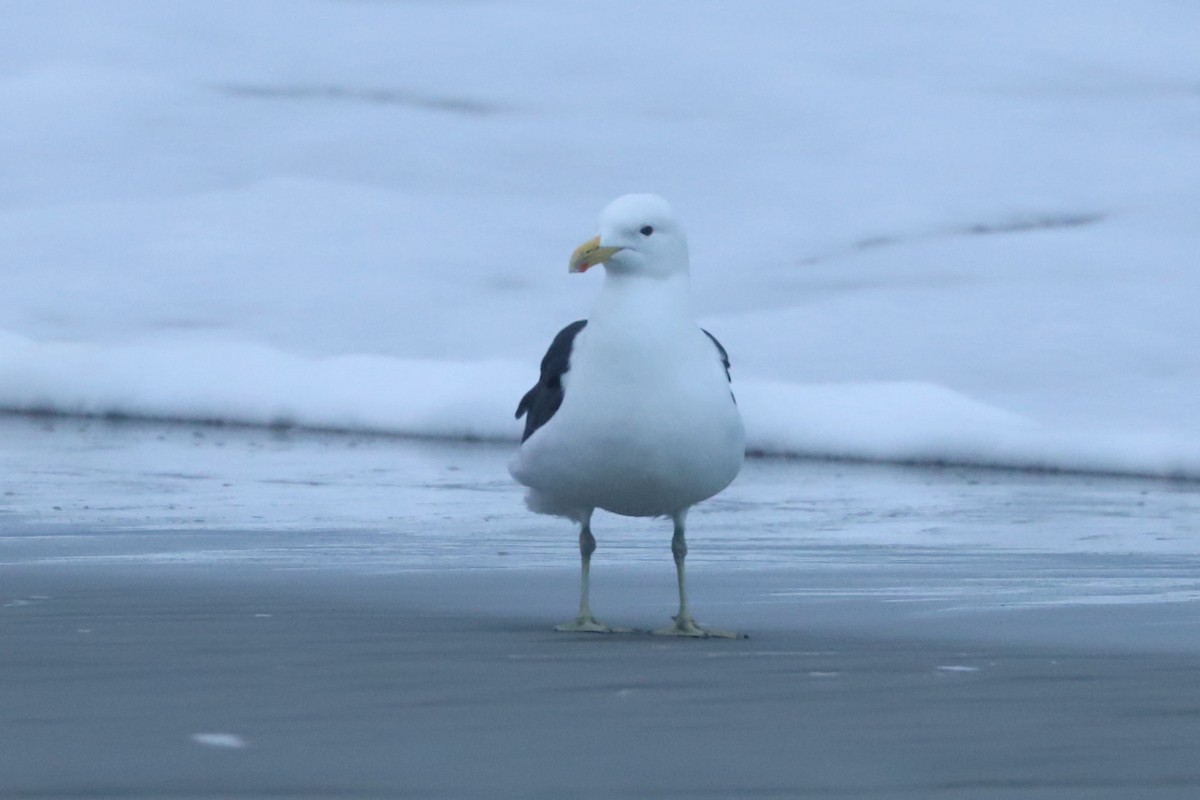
{"x": 475, "y": 400}
{"x": 260, "y": 386}
{"x": 924, "y": 230}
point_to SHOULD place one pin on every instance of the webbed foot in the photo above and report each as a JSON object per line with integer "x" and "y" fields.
{"x": 686, "y": 626}
{"x": 588, "y": 624}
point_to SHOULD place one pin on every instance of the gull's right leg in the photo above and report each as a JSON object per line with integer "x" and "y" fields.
{"x": 585, "y": 622}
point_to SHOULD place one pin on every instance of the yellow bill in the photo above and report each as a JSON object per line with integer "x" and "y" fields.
{"x": 589, "y": 254}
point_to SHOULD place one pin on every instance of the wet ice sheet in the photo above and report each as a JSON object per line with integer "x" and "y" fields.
{"x": 134, "y": 682}
{"x": 101, "y": 491}
{"x": 187, "y": 609}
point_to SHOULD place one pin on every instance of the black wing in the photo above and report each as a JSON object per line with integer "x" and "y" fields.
{"x": 539, "y": 403}
{"x": 724, "y": 355}
{"x": 542, "y": 401}
{"x": 724, "y": 363}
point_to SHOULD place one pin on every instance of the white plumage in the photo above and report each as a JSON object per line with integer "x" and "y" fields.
{"x": 634, "y": 412}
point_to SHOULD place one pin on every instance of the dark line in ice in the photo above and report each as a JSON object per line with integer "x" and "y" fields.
{"x": 980, "y": 465}
{"x": 1038, "y": 223}
{"x": 1025, "y": 224}
{"x": 334, "y": 92}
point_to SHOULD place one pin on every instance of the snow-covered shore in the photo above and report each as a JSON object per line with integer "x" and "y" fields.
{"x": 924, "y": 231}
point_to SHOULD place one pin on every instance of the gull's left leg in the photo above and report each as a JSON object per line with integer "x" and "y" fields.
{"x": 685, "y": 625}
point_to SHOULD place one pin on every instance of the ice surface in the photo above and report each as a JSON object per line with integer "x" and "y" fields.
{"x": 378, "y": 686}
{"x": 348, "y": 614}
{"x": 924, "y": 231}
{"x": 82, "y": 494}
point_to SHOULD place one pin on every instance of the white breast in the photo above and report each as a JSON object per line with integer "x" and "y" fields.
{"x": 648, "y": 425}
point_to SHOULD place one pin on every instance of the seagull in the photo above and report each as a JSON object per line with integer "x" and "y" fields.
{"x": 633, "y": 411}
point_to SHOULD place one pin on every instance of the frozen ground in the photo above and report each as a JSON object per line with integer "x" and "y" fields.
{"x": 199, "y": 611}
{"x": 924, "y": 229}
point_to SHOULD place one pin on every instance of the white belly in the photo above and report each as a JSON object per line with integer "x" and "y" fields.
{"x": 642, "y": 435}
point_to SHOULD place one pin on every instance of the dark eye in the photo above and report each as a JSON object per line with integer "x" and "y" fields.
{"x": 647, "y": 230}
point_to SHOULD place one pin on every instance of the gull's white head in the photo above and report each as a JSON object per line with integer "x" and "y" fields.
{"x": 639, "y": 235}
